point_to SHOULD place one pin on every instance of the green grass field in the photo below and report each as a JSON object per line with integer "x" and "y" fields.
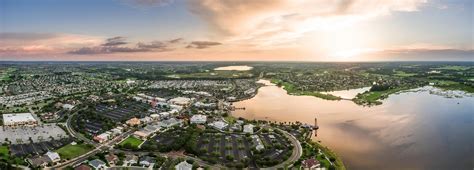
{"x": 404, "y": 74}
{"x": 456, "y": 68}
{"x": 4, "y": 150}
{"x": 72, "y": 151}
{"x": 133, "y": 141}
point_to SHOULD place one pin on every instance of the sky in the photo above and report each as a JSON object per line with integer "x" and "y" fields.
{"x": 237, "y": 30}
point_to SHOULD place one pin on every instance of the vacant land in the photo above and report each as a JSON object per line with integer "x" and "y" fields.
{"x": 72, "y": 151}
{"x": 131, "y": 141}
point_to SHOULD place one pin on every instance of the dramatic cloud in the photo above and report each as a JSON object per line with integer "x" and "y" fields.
{"x": 118, "y": 45}
{"x": 202, "y": 44}
{"x": 13, "y": 43}
{"x": 281, "y": 21}
{"x": 115, "y": 41}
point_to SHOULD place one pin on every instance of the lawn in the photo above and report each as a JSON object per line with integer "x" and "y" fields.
{"x": 72, "y": 151}
{"x": 456, "y": 68}
{"x": 133, "y": 141}
{"x": 404, "y": 74}
{"x": 4, "y": 150}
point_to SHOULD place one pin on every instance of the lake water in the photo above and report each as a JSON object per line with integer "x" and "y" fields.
{"x": 234, "y": 68}
{"x": 412, "y": 130}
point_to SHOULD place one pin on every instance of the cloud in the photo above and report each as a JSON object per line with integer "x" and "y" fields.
{"x": 281, "y": 21}
{"x": 31, "y": 43}
{"x": 118, "y": 45}
{"x": 115, "y": 41}
{"x": 202, "y": 44}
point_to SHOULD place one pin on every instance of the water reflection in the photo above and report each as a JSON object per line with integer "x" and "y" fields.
{"x": 413, "y": 130}
{"x": 235, "y": 68}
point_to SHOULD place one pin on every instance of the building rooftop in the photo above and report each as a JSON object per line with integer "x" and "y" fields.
{"x": 9, "y": 119}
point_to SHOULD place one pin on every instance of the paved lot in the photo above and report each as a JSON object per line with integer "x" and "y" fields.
{"x": 37, "y": 134}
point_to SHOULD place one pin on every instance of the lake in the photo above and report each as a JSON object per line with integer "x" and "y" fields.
{"x": 412, "y": 130}
{"x": 234, "y": 68}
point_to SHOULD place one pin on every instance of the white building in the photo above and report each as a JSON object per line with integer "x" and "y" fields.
{"x": 198, "y": 119}
{"x": 164, "y": 115}
{"x": 219, "y": 125}
{"x": 19, "y": 119}
{"x": 68, "y": 106}
{"x": 258, "y": 142}
{"x": 183, "y": 166}
{"x": 53, "y": 156}
{"x": 248, "y": 128}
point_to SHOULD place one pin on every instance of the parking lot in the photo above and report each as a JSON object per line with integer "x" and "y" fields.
{"x": 38, "y": 148}
{"x": 20, "y": 135}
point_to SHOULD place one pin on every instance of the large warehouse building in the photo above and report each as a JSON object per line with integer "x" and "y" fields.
{"x": 19, "y": 119}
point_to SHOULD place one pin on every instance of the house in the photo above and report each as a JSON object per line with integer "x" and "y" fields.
{"x": 97, "y": 164}
{"x": 102, "y": 137}
{"x": 310, "y": 164}
{"x": 248, "y": 128}
{"x": 38, "y": 161}
{"x": 147, "y": 160}
{"x": 111, "y": 159}
{"x": 133, "y": 121}
{"x": 198, "y": 119}
{"x": 219, "y": 124}
{"x": 83, "y": 167}
{"x": 53, "y": 156}
{"x": 130, "y": 159}
{"x": 183, "y": 166}
{"x": 164, "y": 115}
{"x": 155, "y": 116}
{"x": 146, "y": 120}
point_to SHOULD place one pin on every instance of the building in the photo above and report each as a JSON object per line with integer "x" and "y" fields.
{"x": 248, "y": 128}
{"x": 198, "y": 119}
{"x": 83, "y": 167}
{"x": 183, "y": 166}
{"x": 53, "y": 156}
{"x": 97, "y": 164}
{"x": 258, "y": 143}
{"x": 310, "y": 164}
{"x": 68, "y": 106}
{"x": 182, "y": 101}
{"x": 102, "y": 137}
{"x": 111, "y": 159}
{"x": 133, "y": 122}
{"x": 147, "y": 160}
{"x": 19, "y": 119}
{"x": 130, "y": 159}
{"x": 219, "y": 124}
{"x": 164, "y": 115}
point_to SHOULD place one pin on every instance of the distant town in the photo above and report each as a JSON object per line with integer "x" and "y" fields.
{"x": 165, "y": 115}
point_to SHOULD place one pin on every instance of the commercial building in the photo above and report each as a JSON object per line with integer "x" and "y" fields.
{"x": 19, "y": 119}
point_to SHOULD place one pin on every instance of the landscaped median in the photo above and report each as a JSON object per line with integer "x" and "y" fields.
{"x": 71, "y": 151}
{"x": 131, "y": 143}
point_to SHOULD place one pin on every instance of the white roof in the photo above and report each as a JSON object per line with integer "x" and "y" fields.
{"x": 219, "y": 124}
{"x": 248, "y": 128}
{"x": 199, "y": 118}
{"x": 53, "y": 156}
{"x": 180, "y": 100}
{"x": 17, "y": 117}
{"x": 183, "y": 166}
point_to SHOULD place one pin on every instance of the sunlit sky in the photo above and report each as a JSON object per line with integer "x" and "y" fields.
{"x": 237, "y": 30}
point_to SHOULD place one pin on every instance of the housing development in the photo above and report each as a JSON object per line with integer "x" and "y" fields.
{"x": 179, "y": 115}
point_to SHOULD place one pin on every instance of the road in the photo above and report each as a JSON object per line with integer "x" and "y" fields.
{"x": 98, "y": 149}
{"x": 295, "y": 155}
